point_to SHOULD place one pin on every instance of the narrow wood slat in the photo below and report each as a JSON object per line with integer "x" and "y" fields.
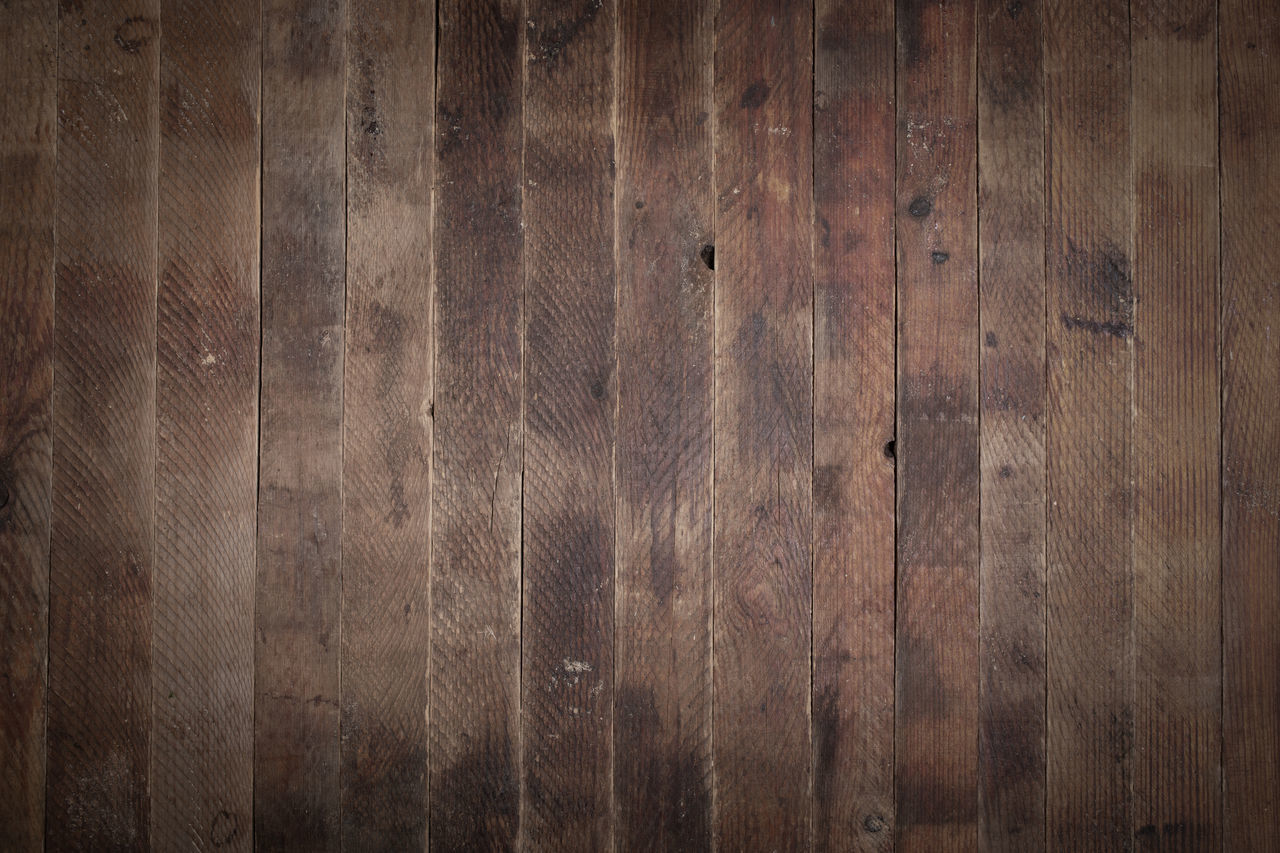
{"x": 387, "y": 391}
{"x": 937, "y": 443}
{"x": 762, "y": 571}
{"x": 28, "y": 45}
{"x": 296, "y": 783}
{"x": 665, "y": 243}
{"x": 1011, "y": 236}
{"x": 101, "y": 548}
{"x": 1249, "y": 86}
{"x": 206, "y": 426}
{"x": 853, "y": 401}
{"x": 1177, "y": 779}
{"x": 569, "y": 405}
{"x": 1089, "y": 348}
{"x": 474, "y": 788}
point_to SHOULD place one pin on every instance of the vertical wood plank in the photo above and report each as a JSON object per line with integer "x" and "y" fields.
{"x": 1089, "y": 332}
{"x": 296, "y": 739}
{"x": 474, "y": 789}
{"x": 937, "y": 443}
{"x": 102, "y": 545}
{"x": 569, "y": 407}
{"x": 1177, "y": 780}
{"x": 28, "y": 135}
{"x": 1249, "y": 86}
{"x": 1011, "y": 273}
{"x": 207, "y": 328}
{"x": 762, "y": 571}
{"x": 853, "y": 400}
{"x": 387, "y": 425}
{"x": 665, "y": 218}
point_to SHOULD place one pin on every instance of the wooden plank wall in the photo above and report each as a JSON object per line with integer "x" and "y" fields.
{"x": 639, "y": 425}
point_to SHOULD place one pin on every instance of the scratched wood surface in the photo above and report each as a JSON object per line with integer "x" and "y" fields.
{"x": 639, "y": 425}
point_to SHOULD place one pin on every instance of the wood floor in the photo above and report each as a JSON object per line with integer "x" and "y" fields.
{"x": 640, "y": 425}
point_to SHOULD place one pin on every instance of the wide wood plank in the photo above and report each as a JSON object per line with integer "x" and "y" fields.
{"x": 101, "y": 547}
{"x": 206, "y": 426}
{"x": 1012, "y": 406}
{"x": 387, "y": 424}
{"x": 665, "y": 241}
{"x": 853, "y": 402}
{"x": 474, "y": 790}
{"x": 296, "y": 760}
{"x": 764, "y": 424}
{"x": 937, "y": 444}
{"x": 1177, "y": 780}
{"x": 28, "y": 44}
{"x": 1089, "y": 347}
{"x": 569, "y": 404}
{"x": 1249, "y": 86}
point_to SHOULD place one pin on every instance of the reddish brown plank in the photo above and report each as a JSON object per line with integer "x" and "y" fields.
{"x": 206, "y": 426}
{"x": 28, "y": 43}
{"x": 1011, "y": 714}
{"x": 104, "y": 383}
{"x": 853, "y": 401}
{"x": 763, "y": 424}
{"x": 1089, "y": 334}
{"x": 662, "y": 718}
{"x": 296, "y": 746}
{"x": 1249, "y": 88}
{"x": 1177, "y": 778}
{"x": 474, "y": 789}
{"x": 569, "y": 403}
{"x": 937, "y": 443}
{"x": 387, "y": 425}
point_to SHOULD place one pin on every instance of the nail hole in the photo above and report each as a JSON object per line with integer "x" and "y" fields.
{"x": 708, "y": 255}
{"x": 890, "y": 449}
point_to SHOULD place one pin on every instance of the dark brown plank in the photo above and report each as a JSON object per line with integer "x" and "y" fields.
{"x": 296, "y": 761}
{"x": 1249, "y": 86}
{"x": 387, "y": 425}
{"x": 1177, "y": 772}
{"x": 662, "y": 718}
{"x": 569, "y": 403}
{"x": 474, "y": 790}
{"x": 853, "y": 401}
{"x": 764, "y": 424}
{"x": 1011, "y": 745}
{"x": 1089, "y": 334}
{"x": 28, "y": 43}
{"x": 936, "y": 778}
{"x": 104, "y": 369}
{"x": 206, "y": 426}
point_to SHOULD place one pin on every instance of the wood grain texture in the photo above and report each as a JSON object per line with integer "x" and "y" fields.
{"x": 1011, "y": 710}
{"x": 101, "y": 546}
{"x": 207, "y": 327}
{"x": 28, "y": 136}
{"x": 569, "y": 407}
{"x": 474, "y": 789}
{"x": 853, "y": 402}
{"x": 762, "y": 571}
{"x": 937, "y": 444}
{"x": 1249, "y": 110}
{"x": 387, "y": 424}
{"x": 665, "y": 218}
{"x": 296, "y": 738}
{"x": 1089, "y": 352}
{"x": 1177, "y": 778}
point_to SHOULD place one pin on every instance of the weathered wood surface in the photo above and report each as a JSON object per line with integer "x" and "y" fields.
{"x": 101, "y": 552}
{"x": 298, "y": 630}
{"x": 639, "y": 425}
